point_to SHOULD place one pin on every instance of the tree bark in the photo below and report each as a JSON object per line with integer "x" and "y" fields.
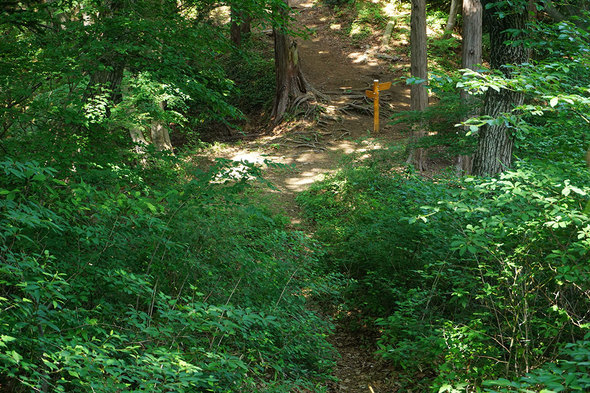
{"x": 452, "y": 17}
{"x": 471, "y": 53}
{"x": 109, "y": 80}
{"x": 159, "y": 134}
{"x": 419, "y": 69}
{"x": 290, "y": 82}
{"x": 494, "y": 150}
{"x": 240, "y": 26}
{"x": 419, "y": 64}
{"x": 140, "y": 143}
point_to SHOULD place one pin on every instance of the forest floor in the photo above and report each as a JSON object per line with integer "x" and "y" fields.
{"x": 341, "y": 69}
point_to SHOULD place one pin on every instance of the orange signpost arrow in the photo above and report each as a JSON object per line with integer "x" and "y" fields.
{"x": 384, "y": 86}
{"x": 374, "y": 95}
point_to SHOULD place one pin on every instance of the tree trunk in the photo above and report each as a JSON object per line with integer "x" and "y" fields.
{"x": 240, "y": 26}
{"x": 290, "y": 82}
{"x": 159, "y": 134}
{"x": 107, "y": 80}
{"x": 106, "y": 74}
{"x": 419, "y": 69}
{"x": 419, "y": 65}
{"x": 140, "y": 144}
{"x": 494, "y": 150}
{"x": 470, "y": 58}
{"x": 472, "y": 32}
{"x": 452, "y": 17}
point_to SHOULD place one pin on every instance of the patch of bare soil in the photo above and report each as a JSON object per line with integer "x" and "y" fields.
{"x": 358, "y": 370}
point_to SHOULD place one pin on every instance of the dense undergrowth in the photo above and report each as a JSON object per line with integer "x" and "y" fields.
{"x": 469, "y": 279}
{"x": 173, "y": 284}
{"x": 124, "y": 267}
{"x": 127, "y": 269}
{"x": 476, "y": 283}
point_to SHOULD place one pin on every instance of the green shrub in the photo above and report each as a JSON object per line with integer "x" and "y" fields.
{"x": 470, "y": 279}
{"x": 114, "y": 289}
{"x": 570, "y": 373}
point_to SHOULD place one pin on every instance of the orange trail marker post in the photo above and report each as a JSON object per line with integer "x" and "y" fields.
{"x": 374, "y": 94}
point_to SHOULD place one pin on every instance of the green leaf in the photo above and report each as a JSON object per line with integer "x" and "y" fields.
{"x": 16, "y": 356}
{"x": 151, "y": 207}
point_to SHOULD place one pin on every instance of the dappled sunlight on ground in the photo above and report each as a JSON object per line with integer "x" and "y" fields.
{"x": 306, "y": 3}
{"x": 363, "y": 57}
{"x": 300, "y": 153}
{"x": 249, "y": 156}
{"x": 298, "y": 167}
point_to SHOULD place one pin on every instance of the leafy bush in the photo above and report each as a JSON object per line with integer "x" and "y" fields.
{"x": 119, "y": 289}
{"x": 470, "y": 279}
{"x": 253, "y": 73}
{"x": 569, "y": 373}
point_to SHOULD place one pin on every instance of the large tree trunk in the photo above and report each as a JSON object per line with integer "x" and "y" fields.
{"x": 494, "y": 150}
{"x": 107, "y": 80}
{"x": 159, "y": 133}
{"x": 470, "y": 58}
{"x": 419, "y": 69}
{"x": 452, "y": 17}
{"x": 290, "y": 82}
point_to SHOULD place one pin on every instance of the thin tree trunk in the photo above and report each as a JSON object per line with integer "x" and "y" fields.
{"x": 470, "y": 58}
{"x": 472, "y": 32}
{"x": 494, "y": 149}
{"x": 452, "y": 17}
{"x": 419, "y": 64}
{"x": 419, "y": 69}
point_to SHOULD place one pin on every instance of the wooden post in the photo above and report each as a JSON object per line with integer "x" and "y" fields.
{"x": 376, "y": 106}
{"x": 374, "y": 94}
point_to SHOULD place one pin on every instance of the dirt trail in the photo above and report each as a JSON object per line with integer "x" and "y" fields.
{"x": 343, "y": 71}
{"x": 332, "y": 64}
